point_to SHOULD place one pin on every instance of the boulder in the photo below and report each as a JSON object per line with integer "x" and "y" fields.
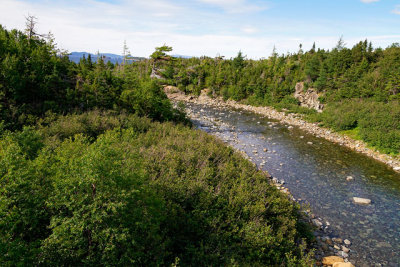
{"x": 331, "y": 260}
{"x": 309, "y": 98}
{"x": 343, "y": 264}
{"x": 363, "y": 201}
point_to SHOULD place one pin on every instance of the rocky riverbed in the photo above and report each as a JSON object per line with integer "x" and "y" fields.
{"x": 352, "y": 198}
{"x": 291, "y": 119}
{"x": 328, "y": 250}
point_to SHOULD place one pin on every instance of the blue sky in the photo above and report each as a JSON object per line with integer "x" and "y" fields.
{"x": 208, "y": 27}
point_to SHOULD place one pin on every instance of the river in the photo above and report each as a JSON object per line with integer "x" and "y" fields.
{"x": 316, "y": 172}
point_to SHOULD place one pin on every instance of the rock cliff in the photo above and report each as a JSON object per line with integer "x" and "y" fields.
{"x": 309, "y": 98}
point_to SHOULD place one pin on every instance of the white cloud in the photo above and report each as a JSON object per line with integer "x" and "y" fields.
{"x": 396, "y": 10}
{"x": 249, "y": 30}
{"x": 369, "y": 1}
{"x": 236, "y": 6}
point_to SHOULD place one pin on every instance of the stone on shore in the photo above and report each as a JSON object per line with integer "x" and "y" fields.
{"x": 317, "y": 223}
{"x": 345, "y": 249}
{"x": 347, "y": 242}
{"x": 349, "y": 178}
{"x": 363, "y": 201}
{"x": 331, "y": 260}
{"x": 343, "y": 264}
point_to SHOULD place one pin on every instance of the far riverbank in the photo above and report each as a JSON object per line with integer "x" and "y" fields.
{"x": 290, "y": 118}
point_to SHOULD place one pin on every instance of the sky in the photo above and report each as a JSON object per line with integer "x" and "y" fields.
{"x": 207, "y": 27}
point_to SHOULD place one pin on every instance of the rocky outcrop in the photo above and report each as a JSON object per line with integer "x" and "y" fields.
{"x": 309, "y": 98}
{"x": 155, "y": 74}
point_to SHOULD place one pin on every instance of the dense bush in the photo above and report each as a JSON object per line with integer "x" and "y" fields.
{"x": 141, "y": 193}
{"x": 377, "y": 123}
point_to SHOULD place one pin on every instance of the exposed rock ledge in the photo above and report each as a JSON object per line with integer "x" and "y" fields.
{"x": 292, "y": 119}
{"x": 308, "y": 99}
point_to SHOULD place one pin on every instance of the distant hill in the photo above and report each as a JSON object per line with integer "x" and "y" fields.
{"x": 181, "y": 56}
{"x": 113, "y": 58}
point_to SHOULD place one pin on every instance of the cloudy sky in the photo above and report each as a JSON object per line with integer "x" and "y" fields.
{"x": 207, "y": 27}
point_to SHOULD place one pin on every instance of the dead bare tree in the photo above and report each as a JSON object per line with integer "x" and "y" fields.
{"x": 30, "y": 24}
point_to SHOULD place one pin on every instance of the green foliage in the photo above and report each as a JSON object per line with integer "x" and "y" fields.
{"x": 160, "y": 53}
{"x": 32, "y": 77}
{"x": 138, "y": 193}
{"x": 377, "y": 123}
{"x": 148, "y": 100}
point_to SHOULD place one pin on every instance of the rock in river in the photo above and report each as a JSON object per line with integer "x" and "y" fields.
{"x": 331, "y": 260}
{"x": 343, "y": 264}
{"x": 359, "y": 200}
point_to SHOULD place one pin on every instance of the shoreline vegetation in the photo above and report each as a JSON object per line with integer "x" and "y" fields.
{"x": 97, "y": 168}
{"x": 341, "y": 138}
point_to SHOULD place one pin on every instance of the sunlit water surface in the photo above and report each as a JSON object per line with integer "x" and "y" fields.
{"x": 316, "y": 175}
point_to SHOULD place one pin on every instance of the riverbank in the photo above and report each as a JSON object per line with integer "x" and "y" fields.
{"x": 291, "y": 119}
{"x": 328, "y": 247}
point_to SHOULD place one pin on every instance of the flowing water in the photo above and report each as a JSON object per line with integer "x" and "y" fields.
{"x": 315, "y": 172}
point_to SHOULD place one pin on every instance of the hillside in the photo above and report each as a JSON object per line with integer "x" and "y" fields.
{"x": 113, "y": 58}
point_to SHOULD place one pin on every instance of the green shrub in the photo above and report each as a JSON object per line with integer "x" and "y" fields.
{"x": 141, "y": 193}
{"x": 378, "y": 123}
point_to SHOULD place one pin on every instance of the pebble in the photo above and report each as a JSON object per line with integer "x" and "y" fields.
{"x": 343, "y": 254}
{"x": 349, "y": 178}
{"x": 337, "y": 240}
{"x": 346, "y": 250}
{"x": 347, "y": 242}
{"x": 317, "y": 223}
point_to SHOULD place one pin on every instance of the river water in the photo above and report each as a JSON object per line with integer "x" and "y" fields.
{"x": 315, "y": 172}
